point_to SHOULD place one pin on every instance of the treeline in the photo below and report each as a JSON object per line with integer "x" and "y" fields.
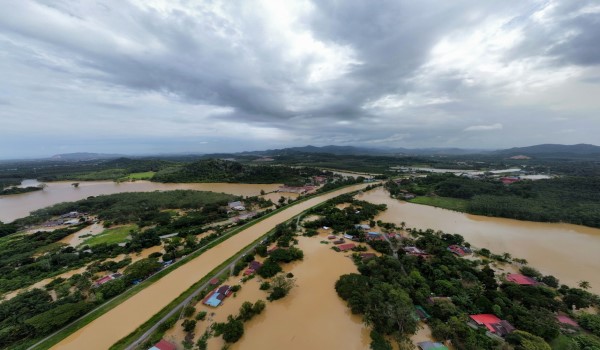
{"x": 133, "y": 206}
{"x": 19, "y": 190}
{"x": 386, "y": 291}
{"x": 566, "y": 199}
{"x": 216, "y": 170}
{"x": 12, "y": 173}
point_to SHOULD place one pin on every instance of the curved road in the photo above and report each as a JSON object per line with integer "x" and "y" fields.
{"x": 129, "y": 315}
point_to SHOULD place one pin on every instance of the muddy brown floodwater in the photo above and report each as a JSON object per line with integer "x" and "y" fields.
{"x": 127, "y": 316}
{"x": 16, "y": 206}
{"x": 569, "y": 252}
{"x": 312, "y": 316}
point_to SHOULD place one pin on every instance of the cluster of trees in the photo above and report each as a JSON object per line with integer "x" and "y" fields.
{"x": 7, "y": 229}
{"x": 216, "y": 170}
{"x": 470, "y": 288}
{"x": 18, "y": 190}
{"x": 143, "y": 207}
{"x": 344, "y": 220}
{"x": 568, "y": 199}
{"x": 233, "y": 329}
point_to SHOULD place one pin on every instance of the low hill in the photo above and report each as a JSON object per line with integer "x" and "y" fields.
{"x": 581, "y": 150}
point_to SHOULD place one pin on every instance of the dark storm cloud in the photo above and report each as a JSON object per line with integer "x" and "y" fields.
{"x": 397, "y": 72}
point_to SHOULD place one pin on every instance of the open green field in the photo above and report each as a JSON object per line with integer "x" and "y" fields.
{"x": 443, "y": 202}
{"x": 112, "y": 235}
{"x": 147, "y": 175}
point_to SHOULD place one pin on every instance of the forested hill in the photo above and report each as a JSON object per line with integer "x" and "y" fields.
{"x": 216, "y": 170}
{"x": 555, "y": 151}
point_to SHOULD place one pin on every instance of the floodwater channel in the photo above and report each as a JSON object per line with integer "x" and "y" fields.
{"x": 568, "y": 252}
{"x": 127, "y": 316}
{"x": 16, "y": 206}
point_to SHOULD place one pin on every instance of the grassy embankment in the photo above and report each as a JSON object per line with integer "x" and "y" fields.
{"x": 112, "y": 235}
{"x": 455, "y": 204}
{"x": 101, "y": 310}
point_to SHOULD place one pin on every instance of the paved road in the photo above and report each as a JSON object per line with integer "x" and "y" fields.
{"x": 180, "y": 306}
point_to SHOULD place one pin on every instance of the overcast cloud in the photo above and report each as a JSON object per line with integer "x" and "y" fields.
{"x": 144, "y": 76}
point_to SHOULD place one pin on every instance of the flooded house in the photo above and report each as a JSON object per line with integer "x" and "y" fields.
{"x": 521, "y": 279}
{"x": 492, "y": 324}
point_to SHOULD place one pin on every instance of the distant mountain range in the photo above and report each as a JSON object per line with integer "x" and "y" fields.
{"x": 537, "y": 151}
{"x": 74, "y": 157}
{"x": 351, "y": 150}
{"x": 553, "y": 150}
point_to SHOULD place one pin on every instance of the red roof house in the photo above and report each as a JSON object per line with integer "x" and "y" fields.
{"x": 567, "y": 321}
{"x": 492, "y": 323}
{"x": 509, "y": 180}
{"x": 214, "y": 281}
{"x": 344, "y": 247}
{"x": 521, "y": 279}
{"x": 458, "y": 250}
{"x": 163, "y": 345}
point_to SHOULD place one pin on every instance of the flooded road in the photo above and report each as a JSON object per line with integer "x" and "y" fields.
{"x": 126, "y": 317}
{"x": 19, "y": 205}
{"x": 569, "y": 252}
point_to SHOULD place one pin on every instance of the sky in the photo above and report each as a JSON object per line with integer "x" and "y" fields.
{"x": 182, "y": 76}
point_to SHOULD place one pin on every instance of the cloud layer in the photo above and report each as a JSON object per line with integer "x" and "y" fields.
{"x": 175, "y": 76}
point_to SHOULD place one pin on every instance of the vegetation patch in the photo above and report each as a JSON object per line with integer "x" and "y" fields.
{"x": 112, "y": 235}
{"x": 456, "y": 204}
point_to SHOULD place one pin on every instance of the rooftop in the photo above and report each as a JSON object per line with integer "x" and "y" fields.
{"x": 521, "y": 279}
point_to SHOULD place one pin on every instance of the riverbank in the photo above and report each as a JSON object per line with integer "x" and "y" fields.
{"x": 127, "y": 316}
{"x": 569, "y": 252}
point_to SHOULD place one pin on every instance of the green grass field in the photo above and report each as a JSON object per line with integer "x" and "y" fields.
{"x": 111, "y": 235}
{"x": 147, "y": 175}
{"x": 443, "y": 202}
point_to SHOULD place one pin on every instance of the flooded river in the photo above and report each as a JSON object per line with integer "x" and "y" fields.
{"x": 569, "y": 252}
{"x": 126, "y": 317}
{"x": 16, "y": 206}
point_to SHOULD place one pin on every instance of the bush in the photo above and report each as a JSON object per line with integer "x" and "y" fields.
{"x": 189, "y": 325}
{"x": 188, "y": 311}
{"x": 265, "y": 286}
{"x": 201, "y": 316}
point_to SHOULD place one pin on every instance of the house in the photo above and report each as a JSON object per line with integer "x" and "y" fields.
{"x": 566, "y": 322}
{"x": 339, "y": 241}
{"x": 345, "y": 247}
{"x": 414, "y": 251}
{"x": 217, "y": 296}
{"x": 421, "y": 313}
{"x": 333, "y": 237}
{"x": 394, "y": 235}
{"x": 367, "y": 256}
{"x": 237, "y": 205}
{"x": 408, "y": 196}
{"x": 374, "y": 236}
{"x": 429, "y": 345}
{"x": 433, "y": 300}
{"x": 214, "y": 281}
{"x": 509, "y": 180}
{"x": 253, "y": 267}
{"x": 347, "y": 236}
{"x": 163, "y": 345}
{"x": 521, "y": 279}
{"x": 103, "y": 280}
{"x": 362, "y": 227}
{"x": 492, "y": 323}
{"x": 459, "y": 250}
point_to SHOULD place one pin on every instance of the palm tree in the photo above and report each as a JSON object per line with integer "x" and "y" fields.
{"x": 584, "y": 285}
